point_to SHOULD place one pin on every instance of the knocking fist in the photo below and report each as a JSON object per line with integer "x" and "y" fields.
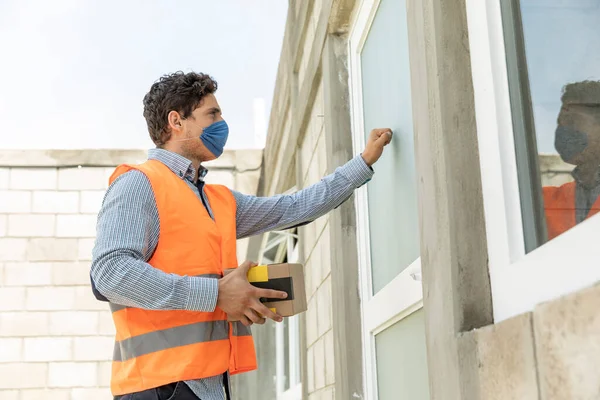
{"x": 240, "y": 300}
{"x": 378, "y": 139}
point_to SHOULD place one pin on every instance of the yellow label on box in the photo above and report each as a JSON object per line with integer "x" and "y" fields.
{"x": 272, "y": 309}
{"x": 260, "y": 273}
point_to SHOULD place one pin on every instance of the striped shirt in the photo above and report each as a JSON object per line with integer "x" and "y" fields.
{"x": 585, "y": 195}
{"x": 128, "y": 233}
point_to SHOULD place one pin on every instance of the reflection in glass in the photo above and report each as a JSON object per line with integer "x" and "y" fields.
{"x": 577, "y": 141}
{"x": 561, "y": 55}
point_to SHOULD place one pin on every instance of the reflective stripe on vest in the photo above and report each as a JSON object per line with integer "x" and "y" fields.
{"x": 168, "y": 338}
{"x": 156, "y": 347}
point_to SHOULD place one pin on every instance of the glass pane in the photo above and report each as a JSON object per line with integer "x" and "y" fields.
{"x": 559, "y": 48}
{"x": 286, "y": 353}
{"x": 393, "y": 212}
{"x": 271, "y": 248}
{"x": 402, "y": 360}
{"x": 294, "y": 351}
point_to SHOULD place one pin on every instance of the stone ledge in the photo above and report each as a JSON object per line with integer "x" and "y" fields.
{"x": 505, "y": 359}
{"x": 567, "y": 333}
{"x": 240, "y": 160}
{"x": 69, "y": 158}
{"x": 553, "y": 163}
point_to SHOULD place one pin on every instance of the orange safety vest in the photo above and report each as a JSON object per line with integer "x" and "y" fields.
{"x": 560, "y": 208}
{"x": 158, "y": 347}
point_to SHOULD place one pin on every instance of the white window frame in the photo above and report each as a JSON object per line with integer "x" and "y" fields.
{"x": 403, "y": 295}
{"x": 519, "y": 281}
{"x": 284, "y": 240}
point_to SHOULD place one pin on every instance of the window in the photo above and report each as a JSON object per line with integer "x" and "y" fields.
{"x": 535, "y": 66}
{"x": 280, "y": 247}
{"x": 553, "y": 73}
{"x": 387, "y": 208}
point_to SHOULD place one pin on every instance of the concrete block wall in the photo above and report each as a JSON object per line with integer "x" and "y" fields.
{"x": 554, "y": 171}
{"x": 297, "y": 133}
{"x": 551, "y": 353}
{"x": 315, "y": 239}
{"x": 56, "y": 339}
{"x": 314, "y": 10}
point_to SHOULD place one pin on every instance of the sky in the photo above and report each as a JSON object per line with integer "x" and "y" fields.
{"x": 562, "y": 42}
{"x": 73, "y": 73}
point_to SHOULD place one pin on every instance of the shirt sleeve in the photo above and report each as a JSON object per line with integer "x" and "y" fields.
{"x": 127, "y": 235}
{"x": 255, "y": 215}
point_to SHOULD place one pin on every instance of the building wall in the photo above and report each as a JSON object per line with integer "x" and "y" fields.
{"x": 56, "y": 339}
{"x": 554, "y": 171}
{"x": 549, "y": 353}
{"x": 296, "y": 154}
{"x": 315, "y": 239}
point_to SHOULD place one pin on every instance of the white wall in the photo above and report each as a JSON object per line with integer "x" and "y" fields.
{"x": 56, "y": 339}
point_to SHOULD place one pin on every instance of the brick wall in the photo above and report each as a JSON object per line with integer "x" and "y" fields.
{"x": 305, "y": 143}
{"x": 314, "y": 237}
{"x": 554, "y": 171}
{"x": 316, "y": 244}
{"x": 56, "y": 340}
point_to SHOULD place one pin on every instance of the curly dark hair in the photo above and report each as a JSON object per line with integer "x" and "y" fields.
{"x": 181, "y": 92}
{"x": 583, "y": 93}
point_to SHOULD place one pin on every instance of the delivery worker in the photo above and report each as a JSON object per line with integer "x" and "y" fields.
{"x": 164, "y": 238}
{"x": 577, "y": 141}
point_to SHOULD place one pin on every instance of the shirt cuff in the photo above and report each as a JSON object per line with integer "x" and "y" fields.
{"x": 357, "y": 171}
{"x": 203, "y": 294}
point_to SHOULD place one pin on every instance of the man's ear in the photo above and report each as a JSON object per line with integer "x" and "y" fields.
{"x": 175, "y": 121}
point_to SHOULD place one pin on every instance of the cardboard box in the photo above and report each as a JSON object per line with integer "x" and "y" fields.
{"x": 285, "y": 277}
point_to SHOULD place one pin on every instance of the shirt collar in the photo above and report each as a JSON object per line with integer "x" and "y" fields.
{"x": 178, "y": 164}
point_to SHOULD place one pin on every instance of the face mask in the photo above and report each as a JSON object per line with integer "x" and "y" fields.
{"x": 215, "y": 136}
{"x": 569, "y": 142}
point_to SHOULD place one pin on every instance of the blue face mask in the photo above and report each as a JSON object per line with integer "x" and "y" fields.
{"x": 569, "y": 142}
{"x": 215, "y": 136}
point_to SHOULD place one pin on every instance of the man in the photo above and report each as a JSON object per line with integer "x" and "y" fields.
{"x": 577, "y": 141}
{"x": 164, "y": 238}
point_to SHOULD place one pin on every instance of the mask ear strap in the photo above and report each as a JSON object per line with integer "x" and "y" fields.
{"x": 184, "y": 140}
{"x": 192, "y": 138}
